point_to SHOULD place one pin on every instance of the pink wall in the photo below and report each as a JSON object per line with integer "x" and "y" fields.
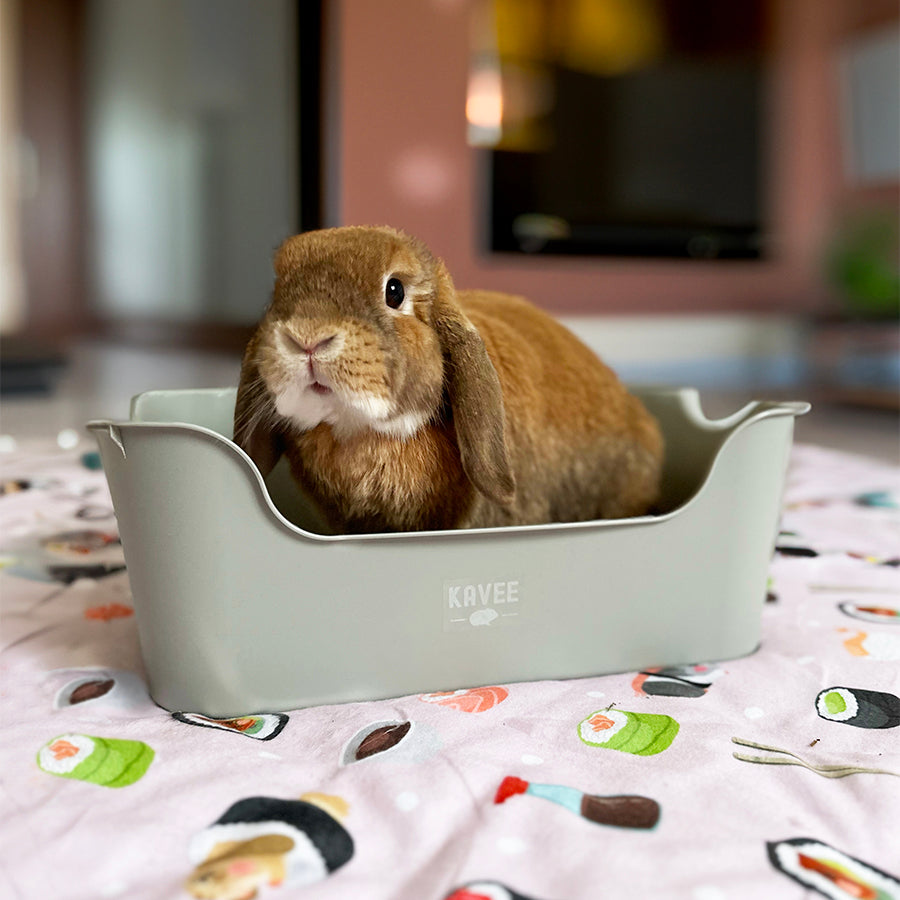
{"x": 401, "y": 158}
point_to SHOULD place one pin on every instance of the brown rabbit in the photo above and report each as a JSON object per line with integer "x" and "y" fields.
{"x": 403, "y": 404}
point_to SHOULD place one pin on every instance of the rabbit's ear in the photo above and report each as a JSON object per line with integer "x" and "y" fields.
{"x": 475, "y": 397}
{"x": 254, "y": 420}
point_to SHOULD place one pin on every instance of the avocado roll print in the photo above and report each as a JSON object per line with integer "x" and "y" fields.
{"x": 855, "y": 706}
{"x": 643, "y": 734}
{"x": 106, "y": 761}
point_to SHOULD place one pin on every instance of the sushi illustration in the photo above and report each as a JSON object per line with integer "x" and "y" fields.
{"x": 807, "y": 552}
{"x": 790, "y": 544}
{"x": 473, "y": 700}
{"x": 84, "y": 690}
{"x": 261, "y": 841}
{"x": 94, "y": 513}
{"x": 106, "y": 612}
{"x": 381, "y": 738}
{"x": 831, "y": 872}
{"x": 891, "y": 561}
{"x": 882, "y": 615}
{"x": 391, "y": 740}
{"x": 485, "y": 890}
{"x": 66, "y": 556}
{"x": 99, "y": 693}
{"x": 862, "y": 708}
{"x": 878, "y": 499}
{"x": 643, "y": 734}
{"x": 70, "y": 574}
{"x": 676, "y": 681}
{"x": 72, "y": 555}
{"x": 110, "y": 762}
{"x": 77, "y": 545}
{"x": 880, "y": 646}
{"x": 14, "y": 486}
{"x": 261, "y": 727}
{"x": 626, "y": 811}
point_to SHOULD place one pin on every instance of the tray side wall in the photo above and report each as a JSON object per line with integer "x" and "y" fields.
{"x": 236, "y": 613}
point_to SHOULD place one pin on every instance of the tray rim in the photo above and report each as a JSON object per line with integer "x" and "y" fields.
{"x": 734, "y": 424}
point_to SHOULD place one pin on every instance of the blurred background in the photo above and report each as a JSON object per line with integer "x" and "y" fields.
{"x": 707, "y": 192}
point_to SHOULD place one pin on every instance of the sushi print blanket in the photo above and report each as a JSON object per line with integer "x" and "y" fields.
{"x": 772, "y": 776}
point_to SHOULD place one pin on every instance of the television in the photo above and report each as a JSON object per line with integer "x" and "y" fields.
{"x": 656, "y": 151}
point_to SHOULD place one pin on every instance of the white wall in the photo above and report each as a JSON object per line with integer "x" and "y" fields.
{"x": 192, "y": 154}
{"x": 717, "y": 352}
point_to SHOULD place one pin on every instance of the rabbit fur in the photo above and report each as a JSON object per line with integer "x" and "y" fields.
{"x": 456, "y": 409}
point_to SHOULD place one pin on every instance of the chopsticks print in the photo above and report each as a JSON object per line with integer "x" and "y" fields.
{"x": 783, "y": 757}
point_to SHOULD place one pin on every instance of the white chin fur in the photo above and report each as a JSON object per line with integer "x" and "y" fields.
{"x": 404, "y": 425}
{"x": 346, "y": 416}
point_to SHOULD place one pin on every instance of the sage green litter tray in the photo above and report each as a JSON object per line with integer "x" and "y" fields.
{"x": 245, "y": 604}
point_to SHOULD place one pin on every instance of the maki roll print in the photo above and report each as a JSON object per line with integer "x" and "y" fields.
{"x": 262, "y": 727}
{"x": 267, "y": 841}
{"x": 106, "y": 761}
{"x": 831, "y": 872}
{"x": 644, "y": 734}
{"x": 676, "y": 681}
{"x": 862, "y": 708}
{"x": 881, "y": 615}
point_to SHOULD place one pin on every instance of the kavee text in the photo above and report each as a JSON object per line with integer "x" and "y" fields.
{"x": 491, "y": 593}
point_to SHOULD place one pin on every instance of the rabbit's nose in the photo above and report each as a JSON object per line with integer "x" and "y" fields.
{"x": 320, "y": 344}
{"x": 310, "y": 345}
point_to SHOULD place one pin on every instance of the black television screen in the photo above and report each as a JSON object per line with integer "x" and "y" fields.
{"x": 657, "y": 154}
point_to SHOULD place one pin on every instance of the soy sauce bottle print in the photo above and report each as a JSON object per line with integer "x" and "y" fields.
{"x": 624, "y": 810}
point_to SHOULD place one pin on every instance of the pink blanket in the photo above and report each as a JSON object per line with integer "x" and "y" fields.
{"x": 771, "y": 776}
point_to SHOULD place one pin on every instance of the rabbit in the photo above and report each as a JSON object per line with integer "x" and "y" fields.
{"x": 403, "y": 404}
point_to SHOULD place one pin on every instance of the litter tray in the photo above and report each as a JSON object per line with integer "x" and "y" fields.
{"x": 244, "y": 602}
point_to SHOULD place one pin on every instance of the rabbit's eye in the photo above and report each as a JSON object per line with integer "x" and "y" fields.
{"x": 393, "y": 293}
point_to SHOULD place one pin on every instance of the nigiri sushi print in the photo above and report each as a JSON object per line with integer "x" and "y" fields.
{"x": 879, "y": 646}
{"x": 471, "y": 700}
